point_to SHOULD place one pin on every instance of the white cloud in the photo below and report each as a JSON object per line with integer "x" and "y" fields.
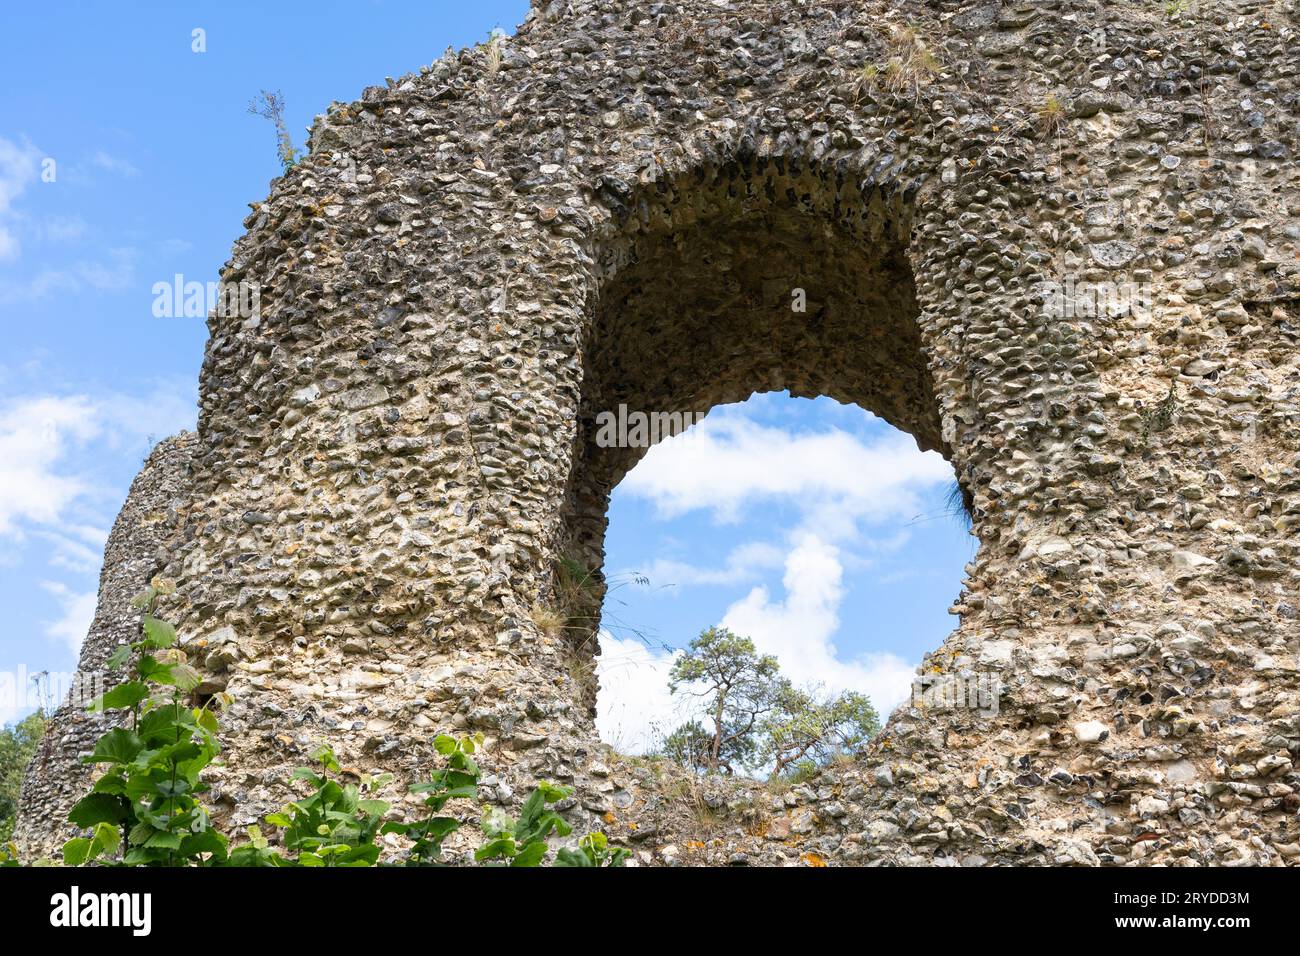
{"x": 76, "y": 552}
{"x": 112, "y": 272}
{"x": 53, "y": 488}
{"x": 114, "y": 164}
{"x": 51, "y": 453}
{"x": 729, "y": 462}
{"x": 36, "y": 435}
{"x": 78, "y": 611}
{"x": 634, "y": 707}
{"x": 835, "y": 481}
{"x": 18, "y": 165}
{"x": 799, "y": 629}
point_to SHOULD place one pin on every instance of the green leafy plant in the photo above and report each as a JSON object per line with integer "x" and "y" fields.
{"x": 9, "y": 855}
{"x": 458, "y": 780}
{"x": 522, "y": 842}
{"x": 334, "y": 826}
{"x": 518, "y": 842}
{"x": 146, "y": 803}
{"x": 593, "y": 850}
{"x": 144, "y": 810}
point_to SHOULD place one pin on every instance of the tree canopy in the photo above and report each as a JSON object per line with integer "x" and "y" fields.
{"x": 753, "y": 717}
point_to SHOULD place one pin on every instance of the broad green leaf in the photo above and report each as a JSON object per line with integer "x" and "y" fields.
{"x": 122, "y": 697}
{"x": 439, "y": 828}
{"x": 531, "y": 855}
{"x": 159, "y": 727}
{"x": 117, "y": 660}
{"x": 111, "y": 782}
{"x": 207, "y": 841}
{"x": 185, "y": 678}
{"x": 97, "y": 808}
{"x": 575, "y": 858}
{"x": 325, "y": 757}
{"x": 251, "y": 856}
{"x": 76, "y": 852}
{"x": 119, "y": 745}
{"x": 551, "y": 793}
{"x": 493, "y": 849}
{"x": 162, "y": 840}
{"x": 158, "y": 634}
{"x": 107, "y": 839}
{"x": 150, "y": 668}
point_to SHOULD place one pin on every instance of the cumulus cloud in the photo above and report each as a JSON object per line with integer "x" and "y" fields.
{"x": 41, "y": 437}
{"x": 634, "y": 708}
{"x": 36, "y": 436}
{"x": 77, "y": 547}
{"x": 741, "y": 565}
{"x": 52, "y": 487}
{"x": 729, "y": 462}
{"x": 799, "y": 628}
{"x": 77, "y": 612}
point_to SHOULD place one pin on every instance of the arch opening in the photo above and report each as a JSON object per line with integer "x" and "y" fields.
{"x": 744, "y": 278}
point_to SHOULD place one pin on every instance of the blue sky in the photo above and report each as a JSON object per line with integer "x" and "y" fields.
{"x": 155, "y": 159}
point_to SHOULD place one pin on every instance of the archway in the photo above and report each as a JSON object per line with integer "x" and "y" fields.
{"x": 756, "y": 275}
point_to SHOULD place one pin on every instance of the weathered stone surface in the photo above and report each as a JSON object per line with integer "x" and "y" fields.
{"x": 473, "y": 262}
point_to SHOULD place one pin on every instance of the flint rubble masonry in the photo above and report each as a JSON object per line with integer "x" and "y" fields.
{"x": 475, "y": 261}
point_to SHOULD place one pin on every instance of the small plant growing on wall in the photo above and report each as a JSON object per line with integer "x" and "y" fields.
{"x": 270, "y": 106}
{"x": 1051, "y": 116}
{"x": 909, "y": 64}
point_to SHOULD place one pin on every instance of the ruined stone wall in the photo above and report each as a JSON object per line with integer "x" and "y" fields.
{"x": 613, "y": 205}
